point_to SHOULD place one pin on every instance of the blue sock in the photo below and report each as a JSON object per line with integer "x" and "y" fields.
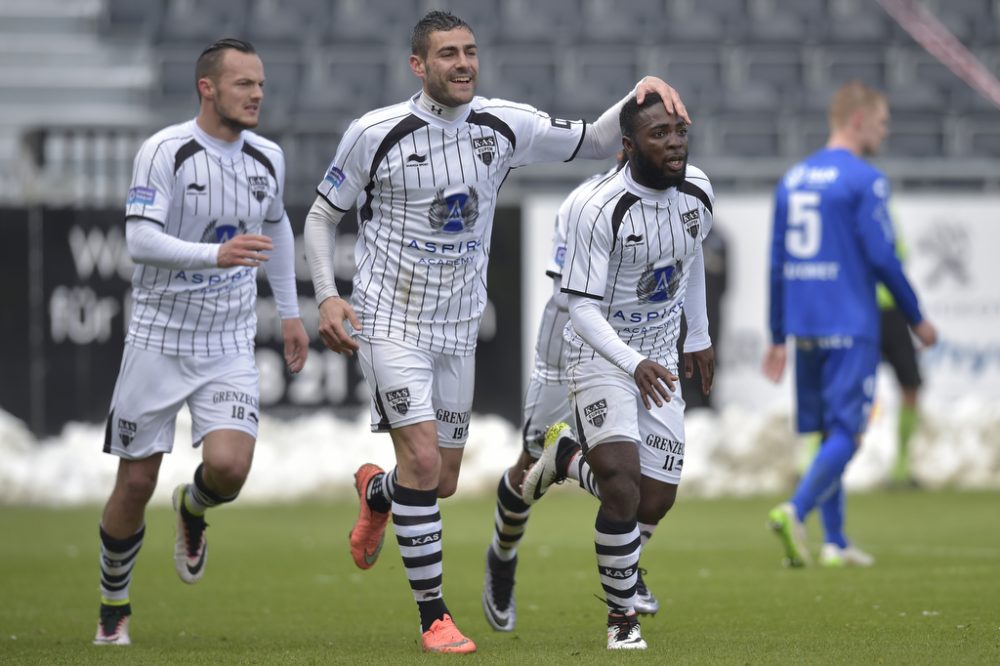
{"x": 831, "y": 508}
{"x": 826, "y": 469}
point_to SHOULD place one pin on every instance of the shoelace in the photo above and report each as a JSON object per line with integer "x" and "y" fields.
{"x": 502, "y": 576}
{"x": 623, "y": 623}
{"x": 640, "y": 586}
{"x": 195, "y": 527}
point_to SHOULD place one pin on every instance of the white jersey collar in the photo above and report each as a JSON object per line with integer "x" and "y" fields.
{"x": 428, "y": 109}
{"x": 227, "y": 149}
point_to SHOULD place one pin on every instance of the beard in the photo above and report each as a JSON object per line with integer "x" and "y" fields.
{"x": 652, "y": 174}
{"x": 233, "y": 123}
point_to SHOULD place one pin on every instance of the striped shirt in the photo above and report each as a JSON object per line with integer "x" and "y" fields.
{"x": 201, "y": 190}
{"x": 631, "y": 247}
{"x": 426, "y": 192}
{"x": 550, "y": 360}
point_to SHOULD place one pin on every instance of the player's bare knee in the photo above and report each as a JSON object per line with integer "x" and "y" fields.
{"x": 137, "y": 485}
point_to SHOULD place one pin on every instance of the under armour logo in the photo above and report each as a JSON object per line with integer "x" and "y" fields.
{"x": 437, "y": 109}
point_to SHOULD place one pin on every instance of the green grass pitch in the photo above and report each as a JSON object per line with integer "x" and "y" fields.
{"x": 281, "y": 588}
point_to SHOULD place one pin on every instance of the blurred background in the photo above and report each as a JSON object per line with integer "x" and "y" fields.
{"x": 83, "y": 82}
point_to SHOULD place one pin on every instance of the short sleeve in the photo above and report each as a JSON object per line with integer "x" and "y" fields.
{"x": 588, "y": 249}
{"x": 152, "y": 186}
{"x": 542, "y": 138}
{"x": 348, "y": 174}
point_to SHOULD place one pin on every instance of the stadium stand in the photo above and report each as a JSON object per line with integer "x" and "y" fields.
{"x": 756, "y": 74}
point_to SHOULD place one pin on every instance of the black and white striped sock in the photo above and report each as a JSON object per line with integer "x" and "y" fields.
{"x": 199, "y": 497}
{"x": 618, "y": 545}
{"x": 417, "y": 523}
{"x": 117, "y": 560}
{"x": 381, "y": 491}
{"x": 509, "y": 520}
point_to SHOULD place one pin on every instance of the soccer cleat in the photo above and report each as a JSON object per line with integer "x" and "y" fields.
{"x": 832, "y": 555}
{"x": 112, "y": 626}
{"x": 623, "y": 632}
{"x": 369, "y": 529}
{"x": 498, "y": 592}
{"x": 545, "y": 472}
{"x": 645, "y": 602}
{"x": 444, "y": 637}
{"x": 190, "y": 545}
{"x": 786, "y": 525}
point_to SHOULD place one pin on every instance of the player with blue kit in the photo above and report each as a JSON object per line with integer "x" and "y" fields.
{"x": 832, "y": 242}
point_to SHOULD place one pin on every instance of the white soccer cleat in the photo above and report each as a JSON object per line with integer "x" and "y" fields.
{"x": 834, "y": 556}
{"x": 190, "y": 545}
{"x": 545, "y": 472}
{"x": 112, "y": 626}
{"x": 623, "y": 632}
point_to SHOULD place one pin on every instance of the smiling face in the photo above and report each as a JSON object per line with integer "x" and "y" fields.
{"x": 450, "y": 68}
{"x": 658, "y": 148}
{"x": 232, "y": 96}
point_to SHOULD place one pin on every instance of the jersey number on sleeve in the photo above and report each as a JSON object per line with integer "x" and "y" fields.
{"x": 805, "y": 227}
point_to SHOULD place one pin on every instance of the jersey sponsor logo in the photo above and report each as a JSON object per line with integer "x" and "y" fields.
{"x": 810, "y": 176}
{"x": 234, "y": 396}
{"x": 485, "y": 147}
{"x": 335, "y": 176}
{"x": 126, "y": 431}
{"x": 399, "y": 399}
{"x": 454, "y": 209}
{"x": 258, "y": 186}
{"x": 657, "y": 285}
{"x": 596, "y": 412}
{"x": 559, "y": 123}
{"x": 692, "y": 222}
{"x": 633, "y": 240}
{"x": 196, "y": 189}
{"x": 141, "y": 195}
{"x": 220, "y": 233}
{"x": 561, "y": 255}
{"x": 665, "y": 444}
{"x": 415, "y": 160}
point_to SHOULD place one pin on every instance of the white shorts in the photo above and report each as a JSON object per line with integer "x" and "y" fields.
{"x": 544, "y": 404}
{"x": 220, "y": 391}
{"x": 607, "y": 407}
{"x": 411, "y": 385}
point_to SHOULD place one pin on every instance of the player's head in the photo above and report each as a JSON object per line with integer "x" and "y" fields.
{"x": 444, "y": 57}
{"x": 656, "y": 142}
{"x": 229, "y": 77}
{"x": 859, "y": 115}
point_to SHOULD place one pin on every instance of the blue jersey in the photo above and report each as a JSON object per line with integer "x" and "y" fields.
{"x": 833, "y": 241}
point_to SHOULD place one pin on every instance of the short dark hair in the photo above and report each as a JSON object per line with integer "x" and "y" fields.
{"x": 631, "y": 109}
{"x": 210, "y": 59}
{"x": 434, "y": 21}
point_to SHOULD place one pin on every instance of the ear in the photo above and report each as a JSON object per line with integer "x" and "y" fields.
{"x": 417, "y": 66}
{"x": 627, "y": 146}
{"x": 206, "y": 88}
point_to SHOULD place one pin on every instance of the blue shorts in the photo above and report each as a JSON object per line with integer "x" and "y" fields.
{"x": 835, "y": 384}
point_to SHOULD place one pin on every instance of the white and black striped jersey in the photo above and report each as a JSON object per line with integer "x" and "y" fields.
{"x": 550, "y": 360}
{"x": 200, "y": 191}
{"x": 631, "y": 247}
{"x": 428, "y": 190}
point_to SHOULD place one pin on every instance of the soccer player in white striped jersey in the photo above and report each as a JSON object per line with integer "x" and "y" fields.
{"x": 633, "y": 265}
{"x": 428, "y": 171}
{"x": 203, "y": 212}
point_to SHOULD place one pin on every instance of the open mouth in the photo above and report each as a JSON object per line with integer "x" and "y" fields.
{"x": 675, "y": 163}
{"x": 462, "y": 80}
